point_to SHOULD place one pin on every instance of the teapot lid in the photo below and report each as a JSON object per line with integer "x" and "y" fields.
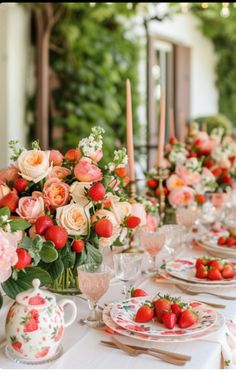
{"x": 35, "y": 296}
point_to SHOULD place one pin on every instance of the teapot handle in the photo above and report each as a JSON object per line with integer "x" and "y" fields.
{"x": 74, "y": 311}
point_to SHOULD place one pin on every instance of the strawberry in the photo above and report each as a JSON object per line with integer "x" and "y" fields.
{"x": 30, "y": 326}
{"x": 187, "y": 318}
{"x": 10, "y": 201}
{"x": 20, "y": 185}
{"x": 165, "y": 192}
{"x": 37, "y": 300}
{"x": 230, "y": 241}
{"x": 104, "y": 228}
{"x": 78, "y": 246}
{"x": 121, "y": 172}
{"x": 97, "y": 192}
{"x": 57, "y": 235}
{"x": 204, "y": 152}
{"x": 17, "y": 345}
{"x": 201, "y": 261}
{"x": 217, "y": 171}
{"x": 126, "y": 181}
{"x": 209, "y": 163}
{"x": 169, "y": 319}
{"x": 42, "y": 353}
{"x": 144, "y": 314}
{"x": 73, "y": 155}
{"x": 161, "y": 305}
{"x": 192, "y": 155}
{"x": 24, "y": 259}
{"x": 216, "y": 264}
{"x": 173, "y": 140}
{"x": 138, "y": 293}
{"x": 152, "y": 184}
{"x": 221, "y": 241}
{"x": 226, "y": 179}
{"x": 197, "y": 143}
{"x": 214, "y": 274}
{"x": 132, "y": 221}
{"x": 176, "y": 309}
{"x": 228, "y": 271}
{"x": 200, "y": 198}
{"x": 43, "y": 223}
{"x": 201, "y": 271}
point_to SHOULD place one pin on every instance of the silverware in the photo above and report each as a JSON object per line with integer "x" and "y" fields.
{"x": 192, "y": 292}
{"x": 169, "y": 353}
{"x": 137, "y": 352}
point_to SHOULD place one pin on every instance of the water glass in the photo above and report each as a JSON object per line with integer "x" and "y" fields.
{"x": 174, "y": 237}
{"x": 152, "y": 242}
{"x": 127, "y": 267}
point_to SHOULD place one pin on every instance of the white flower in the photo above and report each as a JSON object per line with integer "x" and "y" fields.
{"x": 78, "y": 192}
{"x": 34, "y": 164}
{"x": 206, "y": 184}
{"x": 220, "y": 154}
{"x": 178, "y": 154}
{"x": 193, "y": 164}
{"x": 217, "y": 133}
{"x": 74, "y": 218}
{"x": 90, "y": 145}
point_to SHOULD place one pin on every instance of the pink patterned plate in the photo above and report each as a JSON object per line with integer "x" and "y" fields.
{"x": 167, "y": 339}
{"x": 209, "y": 242}
{"x": 123, "y": 314}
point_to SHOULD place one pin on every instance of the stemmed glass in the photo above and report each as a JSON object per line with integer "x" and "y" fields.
{"x": 152, "y": 243}
{"x": 187, "y": 216}
{"x": 93, "y": 281}
{"x": 174, "y": 235}
{"x": 127, "y": 267}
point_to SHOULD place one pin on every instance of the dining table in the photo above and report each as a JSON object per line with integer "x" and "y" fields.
{"x": 82, "y": 347}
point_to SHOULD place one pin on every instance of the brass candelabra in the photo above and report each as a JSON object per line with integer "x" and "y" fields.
{"x": 162, "y": 174}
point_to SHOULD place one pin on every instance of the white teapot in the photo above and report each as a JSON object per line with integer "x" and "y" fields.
{"x": 35, "y": 324}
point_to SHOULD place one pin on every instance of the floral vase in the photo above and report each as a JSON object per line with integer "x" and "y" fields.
{"x": 66, "y": 283}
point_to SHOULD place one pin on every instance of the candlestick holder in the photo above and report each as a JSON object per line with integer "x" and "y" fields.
{"x": 162, "y": 174}
{"x": 132, "y": 189}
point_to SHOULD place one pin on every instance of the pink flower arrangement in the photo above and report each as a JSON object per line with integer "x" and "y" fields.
{"x": 8, "y": 255}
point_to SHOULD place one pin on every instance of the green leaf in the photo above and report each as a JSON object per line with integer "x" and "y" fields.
{"x": 1, "y": 300}
{"x": 19, "y": 225}
{"x": 24, "y": 281}
{"x": 55, "y": 268}
{"x": 38, "y": 241}
{"x": 93, "y": 254}
{"x": 4, "y": 211}
{"x": 67, "y": 256}
{"x": 26, "y": 243}
{"x": 48, "y": 254}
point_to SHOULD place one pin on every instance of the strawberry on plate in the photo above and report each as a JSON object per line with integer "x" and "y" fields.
{"x": 217, "y": 264}
{"x": 228, "y": 271}
{"x": 138, "y": 293}
{"x": 176, "y": 309}
{"x": 187, "y": 318}
{"x": 214, "y": 274}
{"x": 202, "y": 271}
{"x": 145, "y": 313}
{"x": 169, "y": 319}
{"x": 161, "y": 305}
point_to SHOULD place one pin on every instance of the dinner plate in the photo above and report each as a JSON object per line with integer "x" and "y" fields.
{"x": 216, "y": 250}
{"x": 220, "y": 321}
{"x": 123, "y": 314}
{"x": 185, "y": 269}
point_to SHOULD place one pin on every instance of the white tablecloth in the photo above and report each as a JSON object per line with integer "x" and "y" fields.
{"x": 82, "y": 348}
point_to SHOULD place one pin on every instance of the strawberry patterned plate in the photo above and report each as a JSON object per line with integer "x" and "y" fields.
{"x": 184, "y": 269}
{"x": 123, "y": 314}
{"x": 209, "y": 242}
{"x": 171, "y": 337}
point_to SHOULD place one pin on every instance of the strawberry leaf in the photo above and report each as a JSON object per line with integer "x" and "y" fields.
{"x": 19, "y": 225}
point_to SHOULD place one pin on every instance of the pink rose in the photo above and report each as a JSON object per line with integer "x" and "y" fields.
{"x": 9, "y": 174}
{"x": 59, "y": 172}
{"x": 181, "y": 196}
{"x": 30, "y": 208}
{"x": 174, "y": 181}
{"x": 55, "y": 193}
{"x": 55, "y": 157}
{"x": 188, "y": 176}
{"x": 97, "y": 156}
{"x": 8, "y": 255}
{"x": 4, "y": 189}
{"x": 86, "y": 171}
{"x": 137, "y": 209}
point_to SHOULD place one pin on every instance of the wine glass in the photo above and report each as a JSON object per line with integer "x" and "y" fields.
{"x": 93, "y": 282}
{"x": 127, "y": 267}
{"x": 174, "y": 235}
{"x": 187, "y": 216}
{"x": 152, "y": 243}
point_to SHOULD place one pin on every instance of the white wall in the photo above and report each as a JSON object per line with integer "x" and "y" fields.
{"x": 14, "y": 50}
{"x": 184, "y": 29}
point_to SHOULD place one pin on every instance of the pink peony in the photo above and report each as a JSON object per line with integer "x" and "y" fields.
{"x": 181, "y": 196}
{"x": 9, "y": 174}
{"x": 86, "y": 171}
{"x": 137, "y": 209}
{"x": 55, "y": 193}
{"x": 30, "y": 208}
{"x": 174, "y": 181}
{"x": 59, "y": 172}
{"x": 8, "y": 255}
{"x": 55, "y": 157}
{"x": 188, "y": 176}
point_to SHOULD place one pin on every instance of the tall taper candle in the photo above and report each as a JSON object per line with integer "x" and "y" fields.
{"x": 172, "y": 122}
{"x": 129, "y": 131}
{"x": 161, "y": 132}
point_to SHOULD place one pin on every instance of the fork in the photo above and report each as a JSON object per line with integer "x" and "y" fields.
{"x": 136, "y": 352}
{"x": 192, "y": 292}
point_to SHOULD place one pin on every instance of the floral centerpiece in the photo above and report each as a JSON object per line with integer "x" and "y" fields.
{"x": 65, "y": 209}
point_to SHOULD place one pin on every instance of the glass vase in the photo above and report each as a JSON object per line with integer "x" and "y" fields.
{"x": 66, "y": 283}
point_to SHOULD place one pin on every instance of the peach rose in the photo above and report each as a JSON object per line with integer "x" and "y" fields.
{"x": 87, "y": 172}
{"x": 121, "y": 210}
{"x": 74, "y": 218}
{"x": 30, "y": 208}
{"x": 189, "y": 177}
{"x": 34, "y": 164}
{"x": 55, "y": 193}
{"x": 97, "y": 156}
{"x": 151, "y": 223}
{"x": 8, "y": 255}
{"x": 4, "y": 189}
{"x": 181, "y": 196}
{"x": 78, "y": 192}
{"x": 59, "y": 172}
{"x": 9, "y": 174}
{"x": 56, "y": 158}
{"x": 137, "y": 209}
{"x": 174, "y": 181}
{"x": 100, "y": 214}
